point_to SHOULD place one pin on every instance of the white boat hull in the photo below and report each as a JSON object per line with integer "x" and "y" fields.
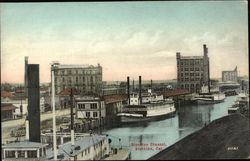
{"x": 210, "y": 99}
{"x": 153, "y": 113}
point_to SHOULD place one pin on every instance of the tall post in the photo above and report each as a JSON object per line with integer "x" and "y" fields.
{"x": 54, "y": 114}
{"x": 140, "y": 99}
{"x": 26, "y": 77}
{"x": 128, "y": 90}
{"x": 208, "y": 76}
{"x": 27, "y": 128}
{"x": 72, "y": 118}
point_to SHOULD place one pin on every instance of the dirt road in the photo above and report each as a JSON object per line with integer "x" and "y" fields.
{"x": 8, "y": 126}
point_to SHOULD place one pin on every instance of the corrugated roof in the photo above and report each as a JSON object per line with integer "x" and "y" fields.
{"x": 175, "y": 92}
{"x": 66, "y": 150}
{"x": 19, "y": 91}
{"x": 44, "y": 88}
{"x": 24, "y": 144}
{"x": 67, "y": 91}
{"x": 7, "y": 107}
{"x": 6, "y": 94}
{"x": 115, "y": 98}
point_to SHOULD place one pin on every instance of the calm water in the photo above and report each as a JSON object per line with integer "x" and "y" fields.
{"x": 187, "y": 120}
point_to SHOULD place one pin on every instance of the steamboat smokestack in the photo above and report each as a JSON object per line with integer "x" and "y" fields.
{"x": 151, "y": 84}
{"x": 140, "y": 99}
{"x": 34, "y": 102}
{"x": 133, "y": 85}
{"x": 128, "y": 90}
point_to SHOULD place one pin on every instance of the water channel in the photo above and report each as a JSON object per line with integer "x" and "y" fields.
{"x": 188, "y": 119}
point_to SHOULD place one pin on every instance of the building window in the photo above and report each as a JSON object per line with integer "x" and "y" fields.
{"x": 81, "y": 106}
{"x": 32, "y": 154}
{"x": 196, "y": 69}
{"x": 69, "y": 72}
{"x": 186, "y": 74}
{"x": 93, "y": 106}
{"x": 21, "y": 154}
{"x": 87, "y": 114}
{"x": 191, "y": 69}
{"x": 186, "y": 69}
{"x": 63, "y": 79}
{"x": 10, "y": 154}
{"x": 95, "y": 114}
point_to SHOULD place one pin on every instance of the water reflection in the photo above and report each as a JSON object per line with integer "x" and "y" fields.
{"x": 188, "y": 119}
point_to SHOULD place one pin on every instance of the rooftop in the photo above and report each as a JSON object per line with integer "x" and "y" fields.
{"x": 191, "y": 57}
{"x": 24, "y": 144}
{"x": 66, "y": 151}
{"x": 6, "y": 94}
{"x": 175, "y": 92}
{"x": 67, "y": 91}
{"x": 65, "y": 66}
{"x": 115, "y": 98}
{"x": 7, "y": 107}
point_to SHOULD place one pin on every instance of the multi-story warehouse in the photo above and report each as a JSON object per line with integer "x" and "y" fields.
{"x": 193, "y": 71}
{"x": 85, "y": 78}
{"x": 230, "y": 75}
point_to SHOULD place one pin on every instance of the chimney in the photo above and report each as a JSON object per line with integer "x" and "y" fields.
{"x": 140, "y": 99}
{"x": 205, "y": 50}
{"x": 178, "y": 55}
{"x": 34, "y": 102}
{"x": 128, "y": 90}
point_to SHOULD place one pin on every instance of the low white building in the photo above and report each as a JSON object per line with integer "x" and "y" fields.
{"x": 85, "y": 148}
{"x": 24, "y": 150}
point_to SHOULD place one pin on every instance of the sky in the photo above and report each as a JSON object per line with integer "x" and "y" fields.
{"x": 126, "y": 38}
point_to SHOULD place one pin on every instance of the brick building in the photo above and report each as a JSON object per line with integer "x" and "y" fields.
{"x": 193, "y": 71}
{"x": 85, "y": 78}
{"x": 230, "y": 75}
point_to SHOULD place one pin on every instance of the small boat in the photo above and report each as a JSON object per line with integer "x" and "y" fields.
{"x": 241, "y": 102}
{"x": 233, "y": 109}
{"x": 152, "y": 107}
{"x": 206, "y": 97}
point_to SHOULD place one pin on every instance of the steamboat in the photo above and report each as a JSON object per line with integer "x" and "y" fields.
{"x": 148, "y": 106}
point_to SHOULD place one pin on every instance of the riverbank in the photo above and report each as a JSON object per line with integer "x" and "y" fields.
{"x": 224, "y": 138}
